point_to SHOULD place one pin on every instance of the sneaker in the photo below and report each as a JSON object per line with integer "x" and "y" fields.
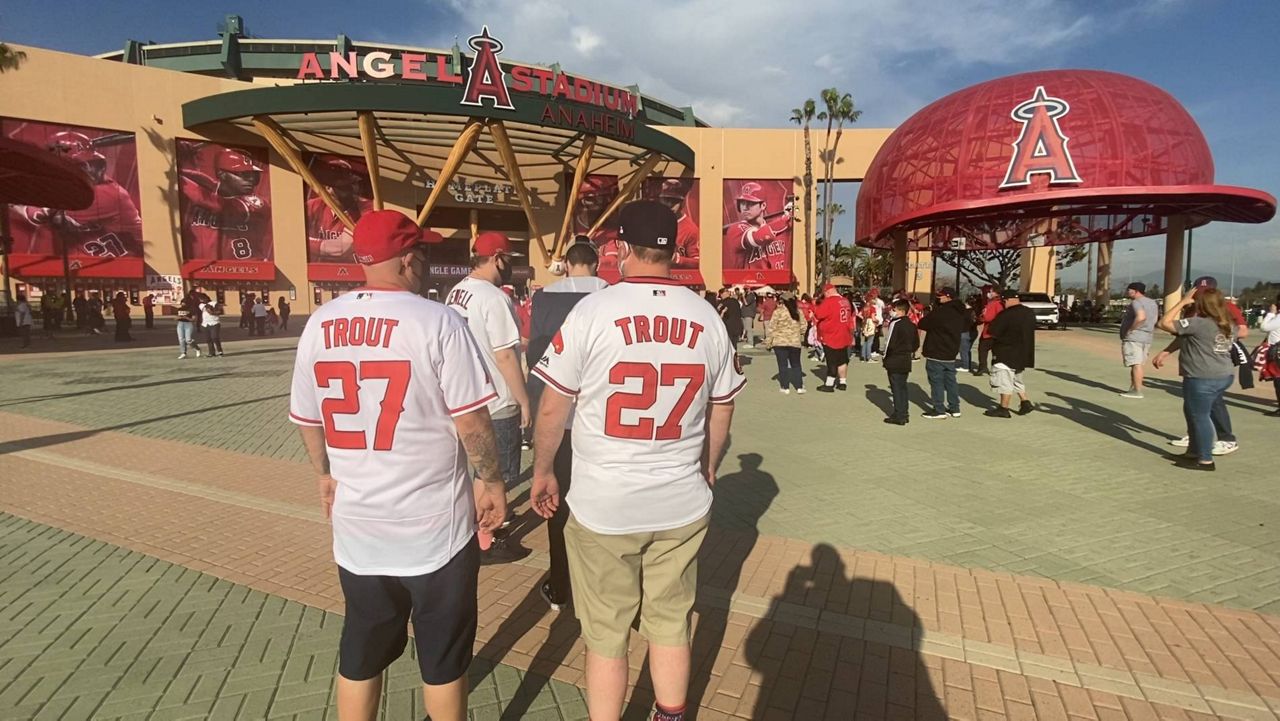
{"x": 511, "y": 517}
{"x": 548, "y": 595}
{"x": 826, "y": 389}
{"x": 220, "y": 354}
{"x": 1222, "y": 448}
{"x": 1273, "y": 414}
{"x": 998, "y": 413}
{"x": 935, "y": 415}
{"x": 182, "y": 357}
{"x": 1131, "y": 394}
{"x": 1025, "y": 408}
{"x": 786, "y": 391}
{"x": 954, "y": 414}
{"x": 842, "y": 386}
{"x": 526, "y": 446}
{"x": 799, "y": 391}
{"x": 1183, "y": 442}
{"x": 895, "y": 422}
{"x": 197, "y": 350}
{"x": 1193, "y": 464}
{"x": 500, "y": 552}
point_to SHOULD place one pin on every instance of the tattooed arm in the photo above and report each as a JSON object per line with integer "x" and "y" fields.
{"x": 475, "y": 430}
{"x": 313, "y": 439}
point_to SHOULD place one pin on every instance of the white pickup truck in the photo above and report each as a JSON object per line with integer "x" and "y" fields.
{"x": 1045, "y": 309}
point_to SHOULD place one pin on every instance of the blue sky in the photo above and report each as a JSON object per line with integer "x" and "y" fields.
{"x": 758, "y": 61}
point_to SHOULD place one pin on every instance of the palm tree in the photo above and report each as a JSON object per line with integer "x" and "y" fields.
{"x": 10, "y": 58}
{"x": 839, "y": 111}
{"x": 803, "y": 116}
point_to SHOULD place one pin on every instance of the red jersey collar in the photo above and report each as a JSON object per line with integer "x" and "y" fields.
{"x": 652, "y": 279}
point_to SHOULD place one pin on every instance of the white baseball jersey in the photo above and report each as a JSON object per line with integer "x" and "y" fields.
{"x": 384, "y": 373}
{"x": 643, "y": 358}
{"x": 492, "y": 318}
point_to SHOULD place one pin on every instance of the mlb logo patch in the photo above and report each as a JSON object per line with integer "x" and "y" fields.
{"x": 659, "y": 291}
{"x": 364, "y": 296}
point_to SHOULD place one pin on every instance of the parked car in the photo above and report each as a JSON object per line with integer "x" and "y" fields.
{"x": 1045, "y": 309}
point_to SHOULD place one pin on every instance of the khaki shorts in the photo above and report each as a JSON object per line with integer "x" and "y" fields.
{"x": 605, "y": 572}
{"x": 1133, "y": 352}
{"x": 1006, "y": 382}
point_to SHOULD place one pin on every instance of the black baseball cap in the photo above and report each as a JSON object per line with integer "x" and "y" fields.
{"x": 647, "y": 223}
{"x": 1205, "y": 281}
{"x": 1138, "y": 286}
{"x": 1008, "y": 293}
{"x": 947, "y": 291}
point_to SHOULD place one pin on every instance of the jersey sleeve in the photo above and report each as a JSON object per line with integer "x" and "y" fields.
{"x": 464, "y": 377}
{"x": 561, "y": 366}
{"x": 727, "y": 379}
{"x": 500, "y": 322}
{"x": 304, "y": 397}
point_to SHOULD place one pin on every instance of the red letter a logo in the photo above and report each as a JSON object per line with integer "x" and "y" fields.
{"x": 486, "y": 79}
{"x": 1041, "y": 147}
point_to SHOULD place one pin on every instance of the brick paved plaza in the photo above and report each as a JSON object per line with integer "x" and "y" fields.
{"x": 162, "y": 555}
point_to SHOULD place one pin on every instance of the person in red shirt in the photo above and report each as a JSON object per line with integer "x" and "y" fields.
{"x": 835, "y": 331}
{"x": 989, "y": 312}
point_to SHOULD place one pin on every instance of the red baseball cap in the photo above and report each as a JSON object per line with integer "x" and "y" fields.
{"x": 233, "y": 160}
{"x": 828, "y": 287}
{"x": 751, "y": 192}
{"x": 491, "y": 243}
{"x": 381, "y": 235}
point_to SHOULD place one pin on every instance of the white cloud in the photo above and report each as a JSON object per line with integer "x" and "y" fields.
{"x": 585, "y": 40}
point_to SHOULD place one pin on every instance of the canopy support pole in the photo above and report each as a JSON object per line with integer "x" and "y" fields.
{"x": 500, "y": 138}
{"x": 368, "y": 130}
{"x": 579, "y": 174}
{"x": 899, "y": 279}
{"x": 632, "y": 185}
{"x": 466, "y": 140}
{"x": 1173, "y": 247}
{"x": 284, "y": 145}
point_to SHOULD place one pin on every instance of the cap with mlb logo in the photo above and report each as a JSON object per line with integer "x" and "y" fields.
{"x": 647, "y": 223}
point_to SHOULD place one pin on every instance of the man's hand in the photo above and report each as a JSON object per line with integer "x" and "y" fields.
{"x": 491, "y": 504}
{"x": 327, "y": 486}
{"x": 1160, "y": 358}
{"x": 545, "y": 494}
{"x": 526, "y": 417}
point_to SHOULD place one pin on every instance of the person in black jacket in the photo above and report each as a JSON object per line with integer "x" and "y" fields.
{"x": 551, "y": 306}
{"x": 943, "y": 327}
{"x": 1013, "y": 351}
{"x": 901, "y": 343}
{"x": 731, "y": 313}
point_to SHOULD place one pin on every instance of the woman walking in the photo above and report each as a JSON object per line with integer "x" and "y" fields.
{"x": 785, "y": 333}
{"x": 120, "y": 311}
{"x": 211, "y": 319}
{"x": 1204, "y": 362}
{"x": 1267, "y": 357}
{"x": 186, "y": 330}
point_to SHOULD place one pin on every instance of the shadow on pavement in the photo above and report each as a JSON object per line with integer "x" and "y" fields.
{"x": 741, "y": 500}
{"x": 94, "y": 391}
{"x": 854, "y": 677}
{"x": 973, "y": 396}
{"x": 27, "y": 444}
{"x": 1081, "y": 380}
{"x": 1105, "y": 420}
{"x": 880, "y": 398}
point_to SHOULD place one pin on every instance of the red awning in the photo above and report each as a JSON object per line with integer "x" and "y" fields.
{"x": 232, "y": 270}
{"x": 684, "y": 276}
{"x": 752, "y": 277}
{"x": 335, "y": 272}
{"x": 25, "y": 265}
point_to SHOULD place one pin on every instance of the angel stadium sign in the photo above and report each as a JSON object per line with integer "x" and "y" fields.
{"x": 608, "y": 110}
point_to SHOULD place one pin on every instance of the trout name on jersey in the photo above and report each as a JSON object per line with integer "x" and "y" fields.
{"x": 659, "y": 329}
{"x": 360, "y": 330}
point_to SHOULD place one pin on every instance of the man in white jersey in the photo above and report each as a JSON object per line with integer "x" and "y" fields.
{"x": 390, "y": 394}
{"x": 492, "y": 318}
{"x": 654, "y": 376}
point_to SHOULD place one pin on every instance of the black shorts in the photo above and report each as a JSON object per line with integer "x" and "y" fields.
{"x": 441, "y": 605}
{"x": 836, "y": 356}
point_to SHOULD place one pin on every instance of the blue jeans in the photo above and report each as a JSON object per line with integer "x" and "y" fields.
{"x": 867, "y": 341}
{"x": 966, "y": 351}
{"x": 789, "y": 370}
{"x": 1199, "y": 398}
{"x": 186, "y": 336}
{"x": 506, "y": 432}
{"x": 942, "y": 382}
{"x": 898, "y": 387}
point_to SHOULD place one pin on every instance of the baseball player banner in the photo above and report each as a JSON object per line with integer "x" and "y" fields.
{"x": 758, "y": 231}
{"x": 110, "y": 228}
{"x": 328, "y": 240}
{"x": 681, "y": 195}
{"x": 225, "y": 202}
{"x": 594, "y": 196}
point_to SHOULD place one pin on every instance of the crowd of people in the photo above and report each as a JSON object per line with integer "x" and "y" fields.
{"x": 838, "y": 328}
